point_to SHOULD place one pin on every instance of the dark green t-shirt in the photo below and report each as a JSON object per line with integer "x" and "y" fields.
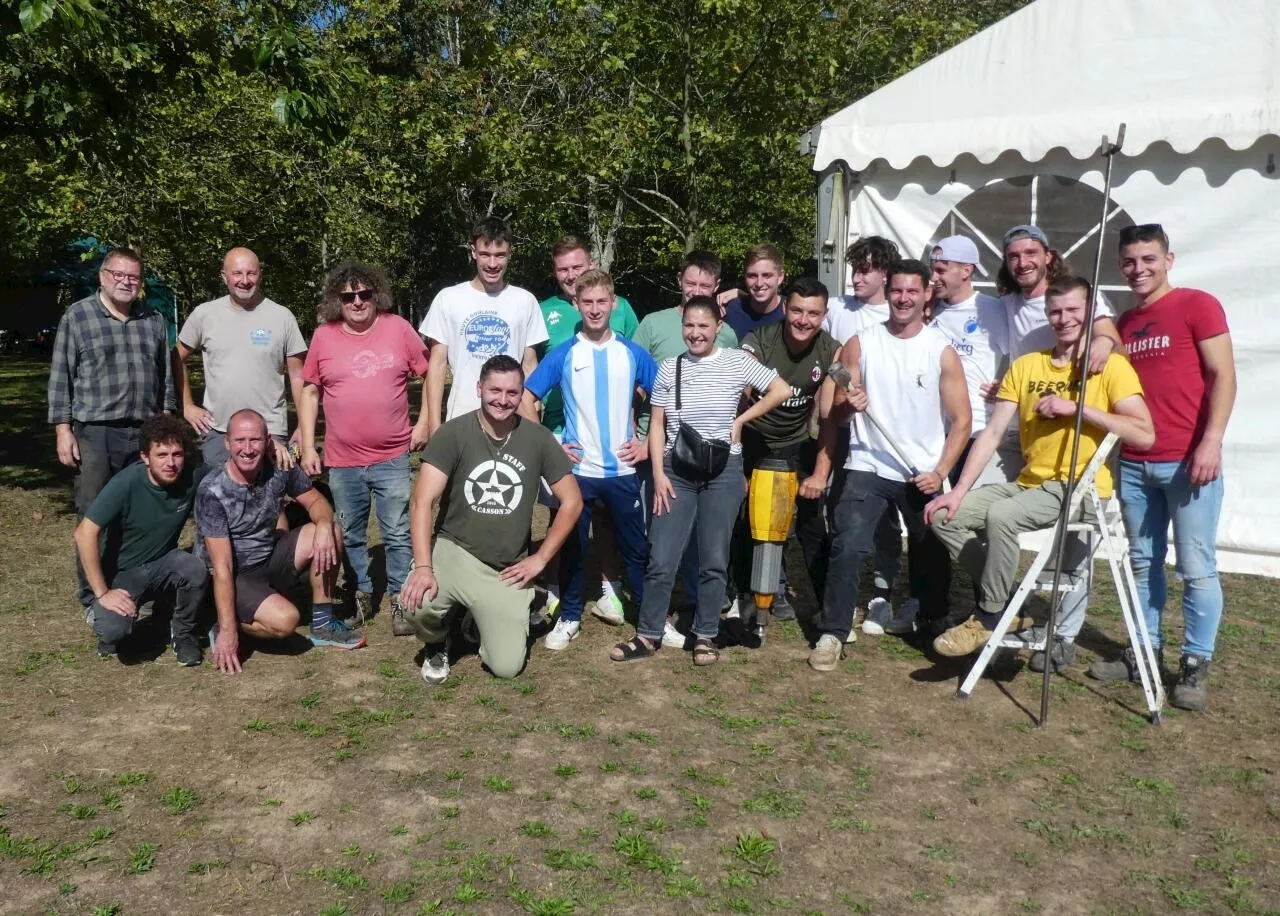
{"x": 149, "y": 518}
{"x": 487, "y": 508}
{"x": 788, "y": 424}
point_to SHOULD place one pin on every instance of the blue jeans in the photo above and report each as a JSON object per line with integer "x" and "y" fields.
{"x": 1153, "y": 493}
{"x": 622, "y": 497}
{"x": 706, "y": 510}
{"x": 354, "y": 490}
{"x": 689, "y": 562}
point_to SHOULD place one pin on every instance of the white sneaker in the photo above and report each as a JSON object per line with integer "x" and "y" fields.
{"x": 735, "y": 610}
{"x": 552, "y": 605}
{"x": 435, "y": 670}
{"x": 563, "y": 633}
{"x": 879, "y": 610}
{"x": 904, "y": 621}
{"x": 826, "y": 654}
{"x": 852, "y": 637}
{"x": 673, "y": 637}
{"x": 609, "y": 609}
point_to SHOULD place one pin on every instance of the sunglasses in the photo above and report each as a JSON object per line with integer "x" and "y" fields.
{"x": 364, "y": 295}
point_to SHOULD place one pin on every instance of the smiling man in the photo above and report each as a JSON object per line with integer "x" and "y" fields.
{"x": 254, "y": 565}
{"x": 1041, "y": 390}
{"x": 145, "y": 506}
{"x": 1180, "y": 346}
{"x": 763, "y": 277}
{"x": 800, "y": 351}
{"x": 484, "y": 468}
{"x": 249, "y": 346}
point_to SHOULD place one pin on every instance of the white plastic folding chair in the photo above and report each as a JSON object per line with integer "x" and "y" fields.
{"x": 1103, "y": 533}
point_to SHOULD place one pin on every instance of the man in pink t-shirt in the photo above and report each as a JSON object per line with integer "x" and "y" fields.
{"x": 359, "y": 364}
{"x": 1178, "y": 341}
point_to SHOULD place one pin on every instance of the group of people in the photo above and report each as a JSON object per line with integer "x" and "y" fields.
{"x": 916, "y": 398}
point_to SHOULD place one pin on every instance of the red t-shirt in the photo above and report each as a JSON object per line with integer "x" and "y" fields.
{"x": 1161, "y": 342}
{"x": 363, "y": 382}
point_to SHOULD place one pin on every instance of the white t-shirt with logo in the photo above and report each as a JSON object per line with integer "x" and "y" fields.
{"x": 848, "y": 315}
{"x": 978, "y": 330}
{"x": 1029, "y": 330}
{"x": 476, "y": 325}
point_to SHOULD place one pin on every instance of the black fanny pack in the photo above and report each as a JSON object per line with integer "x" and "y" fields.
{"x": 693, "y": 456}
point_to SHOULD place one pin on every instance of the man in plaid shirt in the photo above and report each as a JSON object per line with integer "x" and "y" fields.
{"x": 111, "y": 370}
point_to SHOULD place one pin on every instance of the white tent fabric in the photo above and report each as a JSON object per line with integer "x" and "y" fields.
{"x": 1061, "y": 73}
{"x": 1196, "y": 85}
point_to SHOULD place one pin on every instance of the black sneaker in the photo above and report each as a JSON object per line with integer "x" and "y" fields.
{"x": 188, "y": 651}
{"x": 1062, "y": 653}
{"x": 782, "y": 608}
{"x": 1123, "y": 668}
{"x": 1192, "y": 687}
{"x": 106, "y": 649}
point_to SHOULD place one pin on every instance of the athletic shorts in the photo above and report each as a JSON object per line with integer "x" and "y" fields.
{"x": 277, "y": 576}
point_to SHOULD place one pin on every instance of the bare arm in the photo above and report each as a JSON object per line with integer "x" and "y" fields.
{"x": 984, "y": 446}
{"x": 196, "y": 415}
{"x": 530, "y": 361}
{"x": 518, "y": 575}
{"x": 1130, "y": 421}
{"x": 421, "y": 581}
{"x": 308, "y": 410}
{"x": 1220, "y": 380}
{"x": 529, "y": 407}
{"x": 116, "y": 600}
{"x": 325, "y": 553}
{"x": 293, "y": 368}
{"x": 955, "y": 404}
{"x": 778, "y": 392}
{"x": 1106, "y": 340}
{"x": 422, "y": 429}
{"x": 226, "y": 649}
{"x": 663, "y": 492}
{"x": 433, "y": 389}
{"x": 813, "y": 485}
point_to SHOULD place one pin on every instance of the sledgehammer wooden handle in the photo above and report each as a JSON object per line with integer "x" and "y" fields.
{"x": 842, "y": 378}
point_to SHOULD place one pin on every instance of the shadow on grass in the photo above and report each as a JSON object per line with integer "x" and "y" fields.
{"x": 27, "y": 456}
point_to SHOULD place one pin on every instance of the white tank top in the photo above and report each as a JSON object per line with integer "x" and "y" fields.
{"x": 901, "y": 380}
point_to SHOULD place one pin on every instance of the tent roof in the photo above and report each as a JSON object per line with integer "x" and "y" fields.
{"x": 1062, "y": 73}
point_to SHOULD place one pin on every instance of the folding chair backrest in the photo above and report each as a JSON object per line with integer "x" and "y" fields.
{"x": 1085, "y": 484}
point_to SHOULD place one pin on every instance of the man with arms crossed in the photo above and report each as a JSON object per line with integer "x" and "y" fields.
{"x": 1180, "y": 346}
{"x": 478, "y": 319}
{"x": 146, "y": 504}
{"x": 484, "y": 467}
{"x": 248, "y": 344}
{"x": 597, "y": 374}
{"x": 1038, "y": 389}
{"x": 254, "y": 565}
{"x": 902, "y": 370}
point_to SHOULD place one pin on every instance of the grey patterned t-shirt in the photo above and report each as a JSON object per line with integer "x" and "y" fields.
{"x": 245, "y": 514}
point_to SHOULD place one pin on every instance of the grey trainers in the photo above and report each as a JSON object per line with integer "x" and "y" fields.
{"x": 1192, "y": 688}
{"x": 1062, "y": 653}
{"x": 1124, "y": 668}
{"x": 400, "y": 626}
{"x": 335, "y": 635}
{"x": 879, "y": 612}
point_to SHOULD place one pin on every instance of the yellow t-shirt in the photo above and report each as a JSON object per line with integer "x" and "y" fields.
{"x": 1046, "y": 443}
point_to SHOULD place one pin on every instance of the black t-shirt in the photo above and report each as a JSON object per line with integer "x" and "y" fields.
{"x": 487, "y": 507}
{"x": 788, "y": 424}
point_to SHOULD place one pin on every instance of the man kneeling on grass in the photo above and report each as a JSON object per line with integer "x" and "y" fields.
{"x": 143, "y": 509}
{"x": 484, "y": 467}
{"x": 1038, "y": 389}
{"x": 254, "y": 565}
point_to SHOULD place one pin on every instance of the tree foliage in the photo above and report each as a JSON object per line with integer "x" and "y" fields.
{"x": 380, "y": 129}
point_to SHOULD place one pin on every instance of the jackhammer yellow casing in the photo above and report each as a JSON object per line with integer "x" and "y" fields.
{"x": 771, "y": 504}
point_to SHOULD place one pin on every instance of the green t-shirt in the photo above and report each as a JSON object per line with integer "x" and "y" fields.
{"x": 788, "y": 424}
{"x": 662, "y": 334}
{"x": 487, "y": 508}
{"x": 562, "y": 323}
{"x": 148, "y": 518}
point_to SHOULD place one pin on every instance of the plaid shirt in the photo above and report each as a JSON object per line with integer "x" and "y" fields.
{"x": 107, "y": 370}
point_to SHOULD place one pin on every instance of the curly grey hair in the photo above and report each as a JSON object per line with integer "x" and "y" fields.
{"x": 353, "y": 274}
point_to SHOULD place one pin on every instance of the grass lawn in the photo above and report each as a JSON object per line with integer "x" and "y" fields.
{"x": 328, "y": 782}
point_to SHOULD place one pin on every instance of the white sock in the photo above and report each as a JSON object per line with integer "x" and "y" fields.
{"x": 609, "y": 588}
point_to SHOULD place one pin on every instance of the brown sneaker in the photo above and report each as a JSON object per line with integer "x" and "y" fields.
{"x": 361, "y": 609}
{"x": 962, "y": 640}
{"x": 399, "y": 625}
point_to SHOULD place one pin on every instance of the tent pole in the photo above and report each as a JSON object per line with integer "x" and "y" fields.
{"x": 1081, "y": 370}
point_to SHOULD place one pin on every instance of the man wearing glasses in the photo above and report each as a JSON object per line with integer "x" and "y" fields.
{"x": 248, "y": 344}
{"x": 110, "y": 371}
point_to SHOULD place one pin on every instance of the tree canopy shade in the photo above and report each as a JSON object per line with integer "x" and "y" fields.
{"x": 380, "y": 129}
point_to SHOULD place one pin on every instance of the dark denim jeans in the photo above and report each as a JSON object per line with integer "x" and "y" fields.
{"x": 106, "y": 449}
{"x": 707, "y": 510}
{"x": 622, "y": 497}
{"x": 177, "y": 573}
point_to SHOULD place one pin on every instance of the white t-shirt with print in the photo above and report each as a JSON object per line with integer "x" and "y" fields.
{"x": 476, "y": 325}
{"x": 848, "y": 315}
{"x": 978, "y": 330}
{"x": 1029, "y": 330}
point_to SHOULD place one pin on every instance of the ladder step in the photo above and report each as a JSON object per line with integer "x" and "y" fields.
{"x": 1065, "y": 586}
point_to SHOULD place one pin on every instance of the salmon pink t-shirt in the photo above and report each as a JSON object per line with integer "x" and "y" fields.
{"x": 1160, "y": 340}
{"x": 363, "y": 381}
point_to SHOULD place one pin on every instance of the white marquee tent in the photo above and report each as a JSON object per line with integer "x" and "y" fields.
{"x": 1006, "y": 128}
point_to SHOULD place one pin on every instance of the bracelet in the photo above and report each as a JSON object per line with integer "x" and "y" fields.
{"x": 424, "y": 566}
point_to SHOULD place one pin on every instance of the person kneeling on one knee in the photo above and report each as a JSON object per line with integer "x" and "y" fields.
{"x": 484, "y": 467}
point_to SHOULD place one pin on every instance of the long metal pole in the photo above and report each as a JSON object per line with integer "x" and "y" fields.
{"x": 1081, "y": 369}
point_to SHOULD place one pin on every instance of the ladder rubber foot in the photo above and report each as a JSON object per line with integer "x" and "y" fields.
{"x": 960, "y": 695}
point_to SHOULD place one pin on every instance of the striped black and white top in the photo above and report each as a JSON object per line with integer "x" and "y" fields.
{"x": 710, "y": 388}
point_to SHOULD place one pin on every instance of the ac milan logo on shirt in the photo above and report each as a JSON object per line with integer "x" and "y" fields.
{"x": 492, "y": 488}
{"x": 815, "y": 373}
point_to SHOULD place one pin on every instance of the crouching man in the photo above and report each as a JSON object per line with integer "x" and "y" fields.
{"x": 255, "y": 566}
{"x": 484, "y": 467}
{"x": 1039, "y": 389}
{"x": 144, "y": 508}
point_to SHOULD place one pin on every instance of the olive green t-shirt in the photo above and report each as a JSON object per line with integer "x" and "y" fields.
{"x": 788, "y": 424}
{"x": 149, "y": 518}
{"x": 487, "y": 507}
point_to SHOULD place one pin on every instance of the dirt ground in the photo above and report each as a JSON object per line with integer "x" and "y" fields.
{"x": 328, "y": 782}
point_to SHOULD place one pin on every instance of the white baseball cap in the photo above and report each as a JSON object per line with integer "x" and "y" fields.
{"x": 958, "y": 248}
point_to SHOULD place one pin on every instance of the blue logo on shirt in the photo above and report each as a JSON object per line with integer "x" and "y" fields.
{"x": 260, "y": 337}
{"x": 971, "y": 325}
{"x": 486, "y": 334}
